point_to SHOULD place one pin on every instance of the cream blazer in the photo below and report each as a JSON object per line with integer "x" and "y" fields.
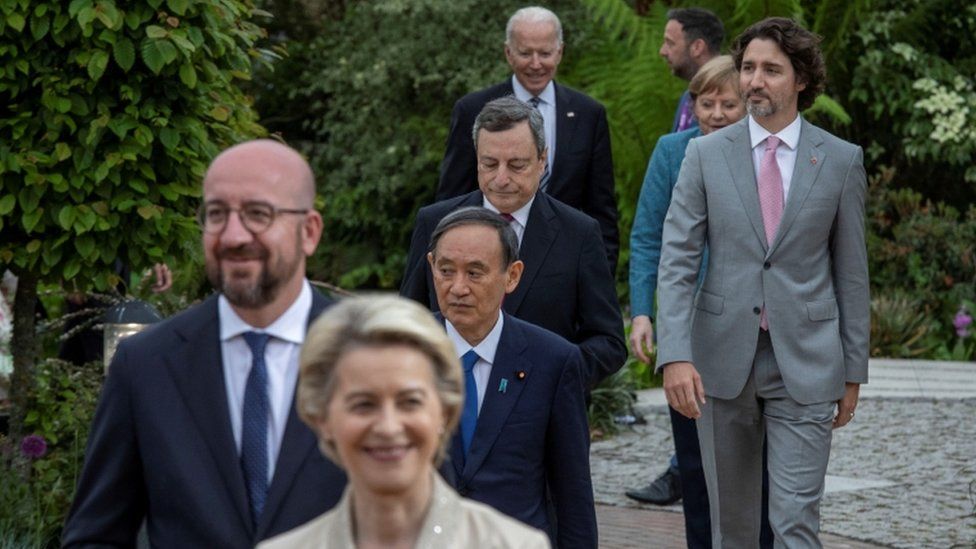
{"x": 451, "y": 522}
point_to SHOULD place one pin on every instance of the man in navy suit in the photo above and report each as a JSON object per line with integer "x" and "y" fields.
{"x": 523, "y": 427}
{"x": 580, "y": 167}
{"x": 195, "y": 431}
{"x": 566, "y": 287}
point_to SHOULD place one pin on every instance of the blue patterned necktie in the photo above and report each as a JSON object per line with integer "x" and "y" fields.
{"x": 469, "y": 417}
{"x": 254, "y": 426}
{"x": 544, "y": 182}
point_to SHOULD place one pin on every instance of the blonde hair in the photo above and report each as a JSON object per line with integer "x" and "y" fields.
{"x": 375, "y": 321}
{"x": 714, "y": 75}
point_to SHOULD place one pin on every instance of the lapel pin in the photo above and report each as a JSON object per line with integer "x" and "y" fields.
{"x": 503, "y": 385}
{"x": 813, "y": 160}
{"x": 520, "y": 375}
{"x": 570, "y": 114}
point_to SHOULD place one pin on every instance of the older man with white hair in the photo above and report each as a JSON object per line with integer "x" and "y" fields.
{"x": 579, "y": 168}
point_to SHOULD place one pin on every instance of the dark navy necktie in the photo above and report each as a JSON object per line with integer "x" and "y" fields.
{"x": 544, "y": 182}
{"x": 254, "y": 426}
{"x": 469, "y": 417}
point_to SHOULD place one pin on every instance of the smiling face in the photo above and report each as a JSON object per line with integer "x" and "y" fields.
{"x": 534, "y": 53}
{"x": 471, "y": 280}
{"x": 384, "y": 419}
{"x": 718, "y": 108}
{"x": 509, "y": 166}
{"x": 769, "y": 84}
{"x": 260, "y": 272}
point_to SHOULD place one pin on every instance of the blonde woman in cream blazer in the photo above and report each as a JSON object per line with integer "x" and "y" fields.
{"x": 381, "y": 386}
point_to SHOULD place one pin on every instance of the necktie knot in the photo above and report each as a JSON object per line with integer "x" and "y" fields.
{"x": 468, "y": 361}
{"x": 507, "y": 217}
{"x": 534, "y": 101}
{"x": 257, "y": 342}
{"x": 772, "y": 143}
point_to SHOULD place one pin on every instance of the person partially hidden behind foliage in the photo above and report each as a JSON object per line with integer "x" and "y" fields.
{"x": 195, "y": 430}
{"x": 579, "y": 168}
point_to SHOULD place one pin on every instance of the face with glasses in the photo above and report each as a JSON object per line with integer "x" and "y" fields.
{"x": 258, "y": 225}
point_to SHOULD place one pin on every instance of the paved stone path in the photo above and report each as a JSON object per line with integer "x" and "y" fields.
{"x": 903, "y": 474}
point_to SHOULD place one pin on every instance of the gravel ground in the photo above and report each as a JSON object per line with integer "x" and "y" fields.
{"x": 926, "y": 449}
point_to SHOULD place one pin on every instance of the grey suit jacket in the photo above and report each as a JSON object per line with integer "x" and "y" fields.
{"x": 813, "y": 277}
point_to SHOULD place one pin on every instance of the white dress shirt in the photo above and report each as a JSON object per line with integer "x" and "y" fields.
{"x": 785, "y": 156}
{"x": 281, "y": 359}
{"x": 547, "y": 108}
{"x": 485, "y": 350}
{"x": 521, "y": 216}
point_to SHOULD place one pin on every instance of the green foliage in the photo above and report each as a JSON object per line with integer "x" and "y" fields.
{"x": 61, "y": 406}
{"x": 912, "y": 65}
{"x": 112, "y": 113}
{"x": 368, "y": 98}
{"x": 613, "y": 397}
{"x": 920, "y": 249}
{"x": 897, "y": 328}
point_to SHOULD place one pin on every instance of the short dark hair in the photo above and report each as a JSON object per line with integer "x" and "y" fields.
{"x": 700, "y": 23}
{"x": 476, "y": 215}
{"x": 503, "y": 114}
{"x": 799, "y": 44}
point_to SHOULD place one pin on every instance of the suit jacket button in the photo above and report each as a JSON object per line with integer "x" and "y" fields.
{"x": 767, "y": 265}
{"x": 756, "y": 310}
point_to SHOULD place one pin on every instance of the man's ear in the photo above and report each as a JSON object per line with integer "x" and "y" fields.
{"x": 697, "y": 48}
{"x": 514, "y": 275}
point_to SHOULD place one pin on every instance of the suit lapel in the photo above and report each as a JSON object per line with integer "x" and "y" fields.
{"x": 738, "y": 157}
{"x": 297, "y": 444}
{"x": 199, "y": 375}
{"x": 809, "y": 159}
{"x": 540, "y": 233}
{"x": 565, "y": 130}
{"x": 498, "y": 404}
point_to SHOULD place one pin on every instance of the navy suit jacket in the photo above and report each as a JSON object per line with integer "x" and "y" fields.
{"x": 161, "y": 447}
{"x": 566, "y": 287}
{"x": 532, "y": 432}
{"x": 582, "y": 171}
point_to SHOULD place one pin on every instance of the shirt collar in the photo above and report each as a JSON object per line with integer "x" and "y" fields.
{"x": 790, "y": 135}
{"x": 488, "y": 346}
{"x": 521, "y": 215}
{"x": 548, "y": 95}
{"x": 290, "y": 326}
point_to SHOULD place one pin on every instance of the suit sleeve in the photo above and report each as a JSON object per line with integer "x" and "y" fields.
{"x": 682, "y": 246}
{"x": 459, "y": 172}
{"x": 645, "y": 236}
{"x": 850, "y": 271}
{"x": 110, "y": 500}
{"x": 600, "y": 332}
{"x": 414, "y": 285}
{"x": 568, "y": 460}
{"x": 599, "y": 200}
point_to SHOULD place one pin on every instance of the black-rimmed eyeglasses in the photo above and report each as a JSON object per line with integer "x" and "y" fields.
{"x": 256, "y": 217}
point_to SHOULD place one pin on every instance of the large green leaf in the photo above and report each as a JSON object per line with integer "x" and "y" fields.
{"x": 97, "y": 64}
{"x": 125, "y": 53}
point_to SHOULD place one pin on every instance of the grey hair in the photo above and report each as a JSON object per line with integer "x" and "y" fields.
{"x": 533, "y": 14}
{"x": 476, "y": 215}
{"x": 504, "y": 114}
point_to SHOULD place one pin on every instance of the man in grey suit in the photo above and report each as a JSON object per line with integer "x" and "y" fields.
{"x": 777, "y": 335}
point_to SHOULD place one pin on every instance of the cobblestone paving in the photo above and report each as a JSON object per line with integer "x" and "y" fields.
{"x": 926, "y": 447}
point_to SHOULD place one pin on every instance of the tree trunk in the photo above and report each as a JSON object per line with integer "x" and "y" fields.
{"x": 24, "y": 350}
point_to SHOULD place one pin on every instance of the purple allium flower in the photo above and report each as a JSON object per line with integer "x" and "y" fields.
{"x": 33, "y": 446}
{"x": 962, "y": 322}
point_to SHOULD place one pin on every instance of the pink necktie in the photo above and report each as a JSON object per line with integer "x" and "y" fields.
{"x": 770, "y": 199}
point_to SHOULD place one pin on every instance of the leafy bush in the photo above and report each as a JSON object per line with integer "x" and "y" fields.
{"x": 924, "y": 252}
{"x": 60, "y": 408}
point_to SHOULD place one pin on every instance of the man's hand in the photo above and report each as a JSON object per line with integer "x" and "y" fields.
{"x": 846, "y": 405}
{"x": 641, "y": 337}
{"x": 684, "y": 389}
